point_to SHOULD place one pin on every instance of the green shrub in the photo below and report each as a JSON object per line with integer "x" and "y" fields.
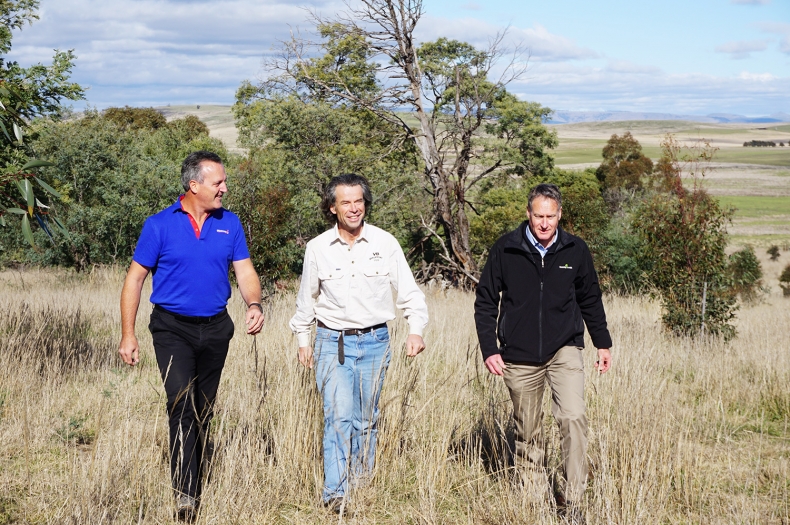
{"x": 189, "y": 127}
{"x": 784, "y": 281}
{"x": 684, "y": 235}
{"x": 135, "y": 118}
{"x": 773, "y": 251}
{"x": 746, "y": 274}
{"x": 623, "y": 267}
{"x": 267, "y": 211}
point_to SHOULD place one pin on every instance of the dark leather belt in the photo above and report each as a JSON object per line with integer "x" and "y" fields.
{"x": 341, "y": 355}
{"x": 192, "y": 319}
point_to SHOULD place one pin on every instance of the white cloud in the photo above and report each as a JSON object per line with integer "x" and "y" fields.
{"x": 541, "y": 45}
{"x": 624, "y": 66}
{"x": 741, "y": 49}
{"x": 751, "y": 2}
{"x": 570, "y": 86}
{"x": 179, "y": 50}
{"x": 472, "y": 6}
{"x": 757, "y": 77}
{"x": 779, "y": 28}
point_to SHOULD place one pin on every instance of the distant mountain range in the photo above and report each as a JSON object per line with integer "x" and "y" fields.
{"x": 571, "y": 117}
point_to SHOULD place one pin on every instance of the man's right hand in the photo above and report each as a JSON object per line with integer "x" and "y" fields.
{"x": 306, "y": 356}
{"x": 129, "y": 350}
{"x": 130, "y": 301}
{"x": 496, "y": 365}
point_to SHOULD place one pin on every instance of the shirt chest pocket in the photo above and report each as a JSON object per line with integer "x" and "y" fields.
{"x": 377, "y": 279}
{"x": 331, "y": 286}
{"x": 374, "y": 272}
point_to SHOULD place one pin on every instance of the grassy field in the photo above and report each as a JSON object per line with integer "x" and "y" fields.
{"x": 756, "y": 181}
{"x": 681, "y": 430}
{"x": 749, "y": 206}
{"x": 588, "y": 151}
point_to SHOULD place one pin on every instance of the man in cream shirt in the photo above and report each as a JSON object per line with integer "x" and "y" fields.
{"x": 348, "y": 276}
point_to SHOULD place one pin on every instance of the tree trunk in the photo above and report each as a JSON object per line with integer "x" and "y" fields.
{"x": 449, "y": 204}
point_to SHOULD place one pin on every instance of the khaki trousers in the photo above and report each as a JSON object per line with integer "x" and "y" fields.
{"x": 564, "y": 373}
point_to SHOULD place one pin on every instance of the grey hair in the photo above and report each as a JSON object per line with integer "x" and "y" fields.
{"x": 549, "y": 191}
{"x": 191, "y": 168}
{"x": 330, "y": 194}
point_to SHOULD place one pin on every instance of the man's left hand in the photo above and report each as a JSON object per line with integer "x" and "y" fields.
{"x": 254, "y": 320}
{"x": 604, "y": 360}
{"x": 414, "y": 345}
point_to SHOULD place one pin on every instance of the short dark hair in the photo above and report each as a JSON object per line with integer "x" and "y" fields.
{"x": 330, "y": 194}
{"x": 549, "y": 191}
{"x": 191, "y": 168}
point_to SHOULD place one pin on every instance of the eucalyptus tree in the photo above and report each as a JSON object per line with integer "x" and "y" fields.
{"x": 27, "y": 93}
{"x": 624, "y": 165}
{"x": 443, "y": 97}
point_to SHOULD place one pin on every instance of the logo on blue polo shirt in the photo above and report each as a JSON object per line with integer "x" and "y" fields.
{"x": 226, "y": 232}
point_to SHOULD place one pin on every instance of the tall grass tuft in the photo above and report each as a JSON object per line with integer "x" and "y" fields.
{"x": 61, "y": 339}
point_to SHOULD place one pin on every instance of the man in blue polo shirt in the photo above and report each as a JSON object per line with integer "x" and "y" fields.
{"x": 188, "y": 248}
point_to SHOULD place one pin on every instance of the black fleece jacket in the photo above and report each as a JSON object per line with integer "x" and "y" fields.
{"x": 543, "y": 301}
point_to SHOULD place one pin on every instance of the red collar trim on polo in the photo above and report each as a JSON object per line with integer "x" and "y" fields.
{"x": 192, "y": 220}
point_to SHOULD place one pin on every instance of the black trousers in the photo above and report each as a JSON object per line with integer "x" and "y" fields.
{"x": 190, "y": 356}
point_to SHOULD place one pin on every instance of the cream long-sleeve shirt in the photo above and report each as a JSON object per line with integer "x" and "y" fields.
{"x": 348, "y": 287}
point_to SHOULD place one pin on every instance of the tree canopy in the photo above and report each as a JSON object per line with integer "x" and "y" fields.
{"x": 624, "y": 165}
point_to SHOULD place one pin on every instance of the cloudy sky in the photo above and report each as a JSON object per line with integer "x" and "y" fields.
{"x": 693, "y": 57}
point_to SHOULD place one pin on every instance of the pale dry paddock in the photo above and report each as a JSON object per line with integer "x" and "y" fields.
{"x": 682, "y": 431}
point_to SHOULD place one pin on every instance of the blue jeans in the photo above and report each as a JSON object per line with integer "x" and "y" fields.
{"x": 350, "y": 395}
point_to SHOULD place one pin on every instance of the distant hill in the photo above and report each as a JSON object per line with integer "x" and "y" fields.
{"x": 571, "y": 117}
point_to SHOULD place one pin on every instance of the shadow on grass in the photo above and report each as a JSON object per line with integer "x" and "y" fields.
{"x": 490, "y": 442}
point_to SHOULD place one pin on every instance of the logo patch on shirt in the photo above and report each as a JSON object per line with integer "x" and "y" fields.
{"x": 566, "y": 267}
{"x": 226, "y": 232}
{"x": 376, "y": 257}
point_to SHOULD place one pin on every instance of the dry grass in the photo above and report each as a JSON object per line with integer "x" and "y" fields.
{"x": 682, "y": 431}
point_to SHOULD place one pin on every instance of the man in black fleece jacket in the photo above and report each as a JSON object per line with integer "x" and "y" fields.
{"x": 549, "y": 291}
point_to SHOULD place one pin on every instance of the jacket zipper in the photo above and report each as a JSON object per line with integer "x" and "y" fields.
{"x": 540, "y": 314}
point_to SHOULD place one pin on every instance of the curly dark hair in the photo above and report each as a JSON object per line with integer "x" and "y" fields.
{"x": 345, "y": 179}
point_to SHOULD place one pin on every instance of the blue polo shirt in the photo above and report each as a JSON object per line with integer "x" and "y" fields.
{"x": 190, "y": 274}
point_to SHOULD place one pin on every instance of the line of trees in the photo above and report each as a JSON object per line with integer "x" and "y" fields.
{"x": 761, "y": 144}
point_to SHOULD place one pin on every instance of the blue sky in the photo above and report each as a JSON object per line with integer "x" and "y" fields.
{"x": 692, "y": 57}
